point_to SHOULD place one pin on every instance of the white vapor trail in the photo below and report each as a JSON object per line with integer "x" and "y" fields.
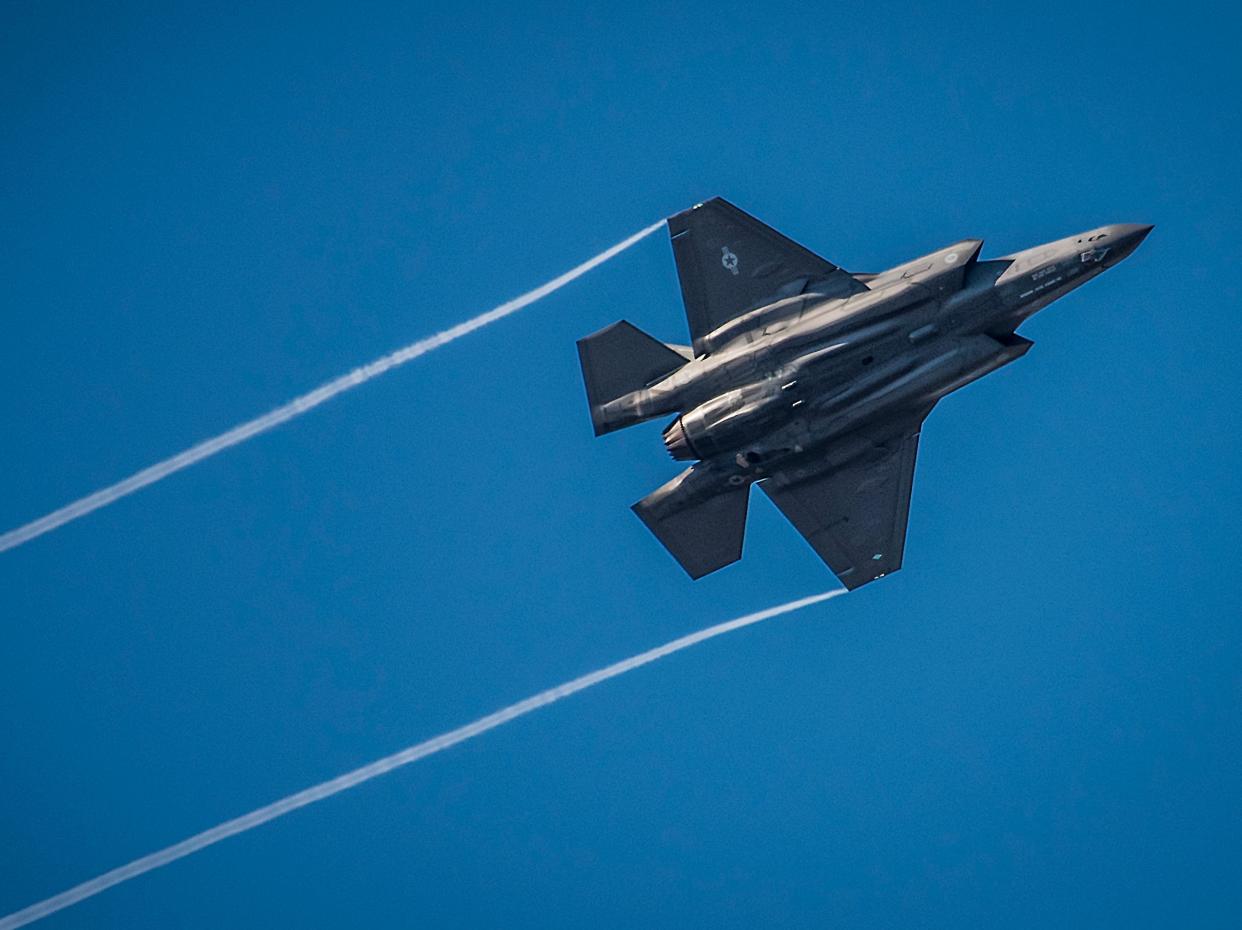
{"x": 382, "y": 766}
{"x": 300, "y": 405}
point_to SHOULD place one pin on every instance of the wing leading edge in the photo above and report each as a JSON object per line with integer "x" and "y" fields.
{"x": 728, "y": 262}
{"x": 855, "y": 517}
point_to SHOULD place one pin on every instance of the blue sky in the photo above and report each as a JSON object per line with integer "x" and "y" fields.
{"x": 1035, "y": 723}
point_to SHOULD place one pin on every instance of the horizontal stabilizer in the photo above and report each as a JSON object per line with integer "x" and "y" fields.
{"x": 619, "y": 360}
{"x": 702, "y": 537}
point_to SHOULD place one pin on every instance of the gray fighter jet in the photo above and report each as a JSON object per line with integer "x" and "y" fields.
{"x": 814, "y": 382}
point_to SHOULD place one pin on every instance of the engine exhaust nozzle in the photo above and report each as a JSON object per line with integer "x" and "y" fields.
{"x": 678, "y": 443}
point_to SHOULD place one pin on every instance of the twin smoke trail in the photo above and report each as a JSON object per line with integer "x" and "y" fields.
{"x": 267, "y": 421}
{"x": 341, "y": 783}
{"x": 300, "y": 405}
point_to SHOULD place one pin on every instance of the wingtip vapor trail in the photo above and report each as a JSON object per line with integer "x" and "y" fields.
{"x": 262, "y": 815}
{"x": 302, "y": 404}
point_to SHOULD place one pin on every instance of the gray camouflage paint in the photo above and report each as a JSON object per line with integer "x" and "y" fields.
{"x": 818, "y": 388}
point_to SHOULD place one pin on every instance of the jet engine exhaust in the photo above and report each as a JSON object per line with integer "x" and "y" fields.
{"x": 429, "y": 747}
{"x": 300, "y": 405}
{"x": 677, "y": 442}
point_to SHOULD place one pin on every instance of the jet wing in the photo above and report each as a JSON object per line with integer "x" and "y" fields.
{"x": 729, "y": 263}
{"x": 855, "y": 517}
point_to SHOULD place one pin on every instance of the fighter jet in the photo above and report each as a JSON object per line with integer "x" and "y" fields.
{"x": 814, "y": 382}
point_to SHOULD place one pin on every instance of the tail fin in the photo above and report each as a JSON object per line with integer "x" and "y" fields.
{"x": 619, "y": 360}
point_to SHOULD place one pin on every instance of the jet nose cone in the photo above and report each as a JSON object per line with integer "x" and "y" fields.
{"x": 1126, "y": 238}
{"x": 1135, "y": 231}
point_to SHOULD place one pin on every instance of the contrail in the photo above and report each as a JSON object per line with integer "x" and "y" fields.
{"x": 300, "y": 405}
{"x": 328, "y": 788}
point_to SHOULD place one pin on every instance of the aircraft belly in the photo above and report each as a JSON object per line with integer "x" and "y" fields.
{"x": 804, "y": 416}
{"x": 813, "y": 381}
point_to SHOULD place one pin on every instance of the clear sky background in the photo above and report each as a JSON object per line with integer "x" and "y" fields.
{"x": 1035, "y": 723}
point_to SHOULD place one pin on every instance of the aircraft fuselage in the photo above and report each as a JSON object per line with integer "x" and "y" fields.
{"x": 814, "y": 382}
{"x": 795, "y": 376}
